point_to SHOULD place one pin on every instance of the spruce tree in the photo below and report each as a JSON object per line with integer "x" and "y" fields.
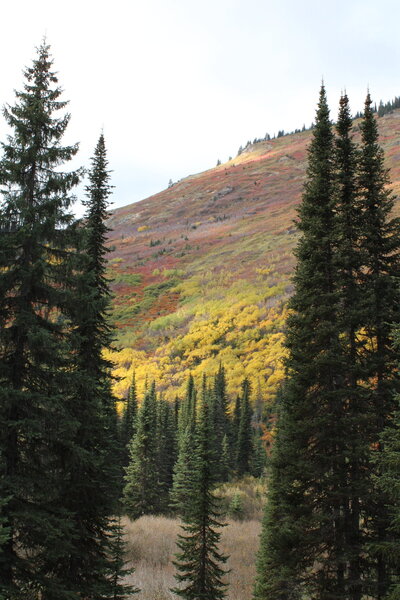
{"x": 91, "y": 478}
{"x": 183, "y": 468}
{"x": 128, "y": 420}
{"x": 166, "y": 456}
{"x": 352, "y": 484}
{"x": 379, "y": 244}
{"x": 38, "y": 427}
{"x": 199, "y": 561}
{"x": 140, "y": 495}
{"x": 219, "y": 415}
{"x": 244, "y": 445}
{"x": 388, "y": 481}
{"x": 307, "y": 462}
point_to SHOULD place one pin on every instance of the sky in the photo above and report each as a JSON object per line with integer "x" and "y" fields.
{"x": 178, "y": 84}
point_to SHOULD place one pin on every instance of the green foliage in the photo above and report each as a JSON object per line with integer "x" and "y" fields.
{"x": 131, "y": 279}
{"x": 198, "y": 563}
{"x": 38, "y": 427}
{"x": 141, "y": 480}
{"x": 324, "y": 510}
{"x": 235, "y": 509}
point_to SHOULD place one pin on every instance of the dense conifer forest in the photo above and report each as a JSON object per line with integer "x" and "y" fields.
{"x": 77, "y": 464}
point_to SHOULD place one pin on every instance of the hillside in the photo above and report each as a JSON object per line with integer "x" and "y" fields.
{"x": 202, "y": 269}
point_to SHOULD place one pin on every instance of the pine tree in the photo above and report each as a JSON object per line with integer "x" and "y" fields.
{"x": 37, "y": 426}
{"x": 141, "y": 480}
{"x": 199, "y": 561}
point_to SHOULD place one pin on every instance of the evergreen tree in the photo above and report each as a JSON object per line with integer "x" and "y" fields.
{"x": 128, "y": 420}
{"x": 259, "y": 456}
{"x": 352, "y": 483}
{"x": 380, "y": 244}
{"x": 117, "y": 568}
{"x": 244, "y": 446}
{"x": 92, "y": 478}
{"x": 199, "y": 562}
{"x": 38, "y": 427}
{"x": 182, "y": 474}
{"x": 141, "y": 480}
{"x": 183, "y": 468}
{"x": 219, "y": 421}
{"x": 166, "y": 455}
{"x": 309, "y": 457}
{"x": 388, "y": 463}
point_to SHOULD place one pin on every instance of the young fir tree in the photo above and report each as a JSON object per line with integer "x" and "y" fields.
{"x": 244, "y": 444}
{"x": 38, "y": 427}
{"x": 141, "y": 480}
{"x": 379, "y": 245}
{"x": 307, "y": 462}
{"x": 117, "y": 565}
{"x": 199, "y": 561}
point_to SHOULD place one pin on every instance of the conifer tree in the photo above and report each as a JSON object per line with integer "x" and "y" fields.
{"x": 259, "y": 456}
{"x": 117, "y": 565}
{"x": 352, "y": 483}
{"x": 128, "y": 420}
{"x": 166, "y": 456}
{"x": 306, "y": 463}
{"x": 244, "y": 446}
{"x": 38, "y": 429}
{"x": 141, "y": 480}
{"x": 380, "y": 244}
{"x": 183, "y": 468}
{"x": 91, "y": 481}
{"x": 183, "y": 474}
{"x": 388, "y": 463}
{"x": 219, "y": 414}
{"x": 199, "y": 561}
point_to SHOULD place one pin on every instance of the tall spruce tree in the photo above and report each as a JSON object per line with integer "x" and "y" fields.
{"x": 310, "y": 455}
{"x": 91, "y": 477}
{"x": 199, "y": 561}
{"x": 38, "y": 427}
{"x": 380, "y": 245}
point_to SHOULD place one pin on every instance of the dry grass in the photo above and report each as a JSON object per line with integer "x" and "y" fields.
{"x": 151, "y": 547}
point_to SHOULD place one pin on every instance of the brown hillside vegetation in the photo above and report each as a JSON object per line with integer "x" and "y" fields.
{"x": 151, "y": 546}
{"x": 202, "y": 269}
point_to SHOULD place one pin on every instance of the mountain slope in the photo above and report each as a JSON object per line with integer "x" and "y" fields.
{"x": 202, "y": 269}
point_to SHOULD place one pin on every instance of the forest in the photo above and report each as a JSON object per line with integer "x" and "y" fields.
{"x": 317, "y": 450}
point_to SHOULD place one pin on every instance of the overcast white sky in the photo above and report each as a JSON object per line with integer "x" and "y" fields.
{"x": 178, "y": 84}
